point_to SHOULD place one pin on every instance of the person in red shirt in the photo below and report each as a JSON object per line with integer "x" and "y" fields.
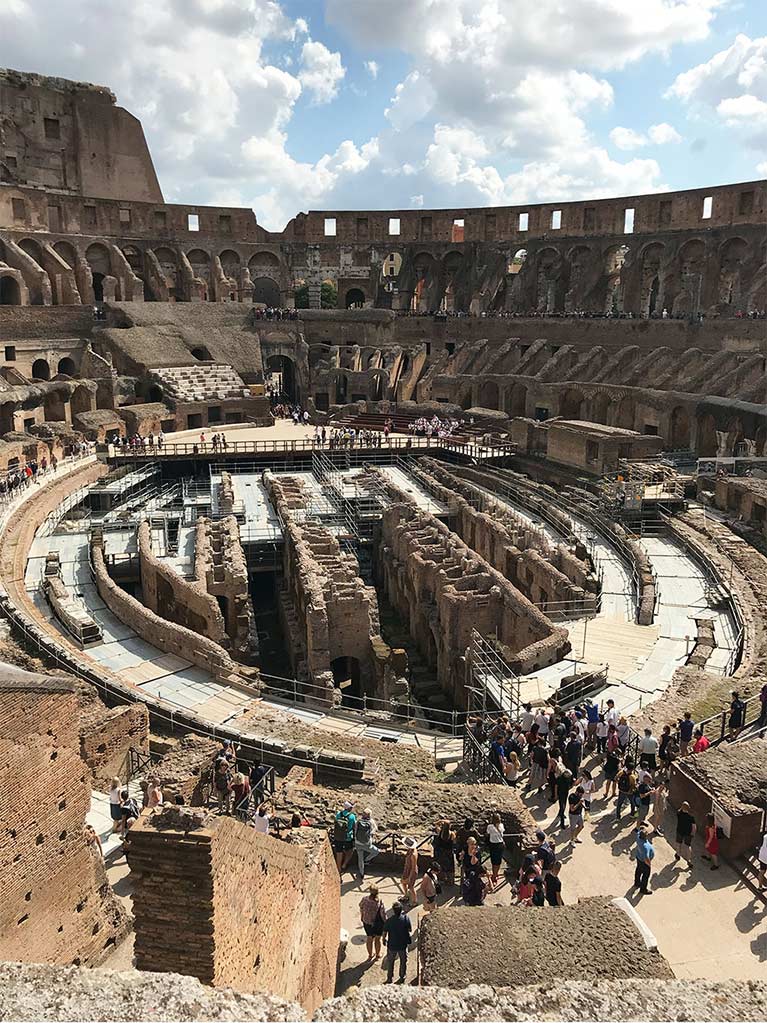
{"x": 701, "y": 742}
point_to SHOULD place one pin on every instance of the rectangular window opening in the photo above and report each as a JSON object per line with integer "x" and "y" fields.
{"x": 556, "y": 220}
{"x": 54, "y": 218}
{"x": 193, "y": 222}
{"x": 393, "y": 225}
{"x": 52, "y": 127}
{"x": 160, "y": 220}
{"x": 90, "y": 216}
{"x": 125, "y": 216}
{"x": 225, "y": 223}
{"x": 524, "y": 220}
{"x": 330, "y": 227}
{"x": 708, "y": 204}
{"x": 746, "y": 204}
{"x": 457, "y": 232}
{"x": 19, "y": 209}
{"x": 628, "y": 221}
{"x": 10, "y": 353}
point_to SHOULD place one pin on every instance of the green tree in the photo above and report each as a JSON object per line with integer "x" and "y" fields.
{"x": 328, "y": 296}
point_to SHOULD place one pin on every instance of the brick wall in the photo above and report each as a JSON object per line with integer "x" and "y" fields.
{"x": 106, "y": 738}
{"x": 57, "y": 906}
{"x": 217, "y": 901}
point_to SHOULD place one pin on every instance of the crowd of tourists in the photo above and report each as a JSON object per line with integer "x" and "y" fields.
{"x": 271, "y": 312}
{"x": 289, "y": 410}
{"x": 433, "y": 427}
{"x": 137, "y": 442}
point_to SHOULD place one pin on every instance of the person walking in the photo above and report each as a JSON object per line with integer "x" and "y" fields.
{"x": 563, "y": 783}
{"x": 429, "y": 889}
{"x": 373, "y": 918}
{"x": 612, "y": 767}
{"x": 343, "y": 835}
{"x": 409, "y": 871}
{"x": 397, "y": 936}
{"x": 114, "y": 803}
{"x": 497, "y": 846}
{"x": 645, "y": 853}
{"x": 576, "y": 808}
{"x": 660, "y": 798}
{"x": 737, "y": 715}
{"x": 627, "y": 786}
{"x": 685, "y": 829}
{"x": 364, "y": 836}
{"x": 645, "y": 791}
{"x": 222, "y": 783}
{"x": 711, "y": 839}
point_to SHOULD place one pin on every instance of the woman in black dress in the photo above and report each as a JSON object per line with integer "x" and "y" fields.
{"x": 443, "y": 843}
{"x": 472, "y": 876}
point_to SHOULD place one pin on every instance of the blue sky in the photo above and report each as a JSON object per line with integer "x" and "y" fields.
{"x": 288, "y": 105}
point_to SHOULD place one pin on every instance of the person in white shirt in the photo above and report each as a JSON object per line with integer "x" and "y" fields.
{"x": 261, "y": 820}
{"x": 648, "y": 749}
{"x": 542, "y": 720}
{"x": 526, "y": 718}
{"x": 495, "y": 838}
{"x": 763, "y": 861}
{"x": 612, "y": 717}
{"x": 602, "y": 730}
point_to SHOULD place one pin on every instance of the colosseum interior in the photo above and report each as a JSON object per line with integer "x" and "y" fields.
{"x": 529, "y": 468}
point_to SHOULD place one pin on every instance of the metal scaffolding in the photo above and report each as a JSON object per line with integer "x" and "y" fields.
{"x": 493, "y": 685}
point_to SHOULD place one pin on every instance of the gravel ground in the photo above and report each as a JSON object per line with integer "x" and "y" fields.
{"x": 504, "y": 946}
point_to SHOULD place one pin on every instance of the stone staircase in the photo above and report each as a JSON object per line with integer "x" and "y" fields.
{"x": 204, "y": 382}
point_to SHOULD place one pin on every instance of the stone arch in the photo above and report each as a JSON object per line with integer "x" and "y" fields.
{"x": 202, "y": 354}
{"x": 615, "y": 258}
{"x": 41, "y": 370}
{"x": 571, "y": 404}
{"x": 579, "y": 259}
{"x": 199, "y": 260}
{"x": 260, "y": 261}
{"x": 285, "y": 368}
{"x": 488, "y": 395}
{"x": 67, "y": 366}
{"x": 423, "y": 268}
{"x": 679, "y": 429}
{"x": 451, "y": 266}
{"x": 732, "y": 256}
{"x": 355, "y": 298}
{"x": 32, "y": 249}
{"x": 650, "y": 284}
{"x": 735, "y": 435}
{"x": 708, "y": 443}
{"x": 760, "y": 441}
{"x": 97, "y": 258}
{"x": 691, "y": 264}
{"x": 516, "y": 400}
{"x": 230, "y": 263}
{"x": 624, "y": 411}
{"x": 66, "y": 252}
{"x": 266, "y": 291}
{"x": 10, "y": 291}
{"x": 548, "y": 264}
{"x": 599, "y": 408}
{"x": 134, "y": 258}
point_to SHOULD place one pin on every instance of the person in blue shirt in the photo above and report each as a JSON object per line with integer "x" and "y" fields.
{"x": 592, "y": 718}
{"x": 398, "y": 933}
{"x": 644, "y": 856}
{"x": 686, "y": 728}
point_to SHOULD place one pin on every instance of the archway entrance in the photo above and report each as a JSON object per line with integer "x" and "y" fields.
{"x": 516, "y": 400}
{"x": 98, "y": 287}
{"x": 41, "y": 370}
{"x": 355, "y": 298}
{"x": 346, "y": 675}
{"x": 571, "y": 405}
{"x": 282, "y": 371}
{"x": 10, "y": 292}
{"x": 680, "y": 430}
{"x": 266, "y": 292}
{"x": 708, "y": 444}
{"x": 67, "y": 367}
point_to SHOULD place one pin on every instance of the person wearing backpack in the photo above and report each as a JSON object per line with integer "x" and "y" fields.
{"x": 627, "y": 786}
{"x": 364, "y": 833}
{"x": 343, "y": 835}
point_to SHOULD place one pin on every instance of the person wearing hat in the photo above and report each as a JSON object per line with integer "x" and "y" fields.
{"x": 410, "y": 871}
{"x": 343, "y": 835}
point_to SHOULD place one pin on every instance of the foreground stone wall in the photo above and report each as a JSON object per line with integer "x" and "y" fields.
{"x": 56, "y": 904}
{"x": 217, "y": 901}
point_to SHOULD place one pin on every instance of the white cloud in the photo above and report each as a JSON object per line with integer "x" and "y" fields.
{"x": 416, "y": 200}
{"x": 412, "y": 100}
{"x": 372, "y": 68}
{"x": 627, "y": 138}
{"x": 321, "y": 71}
{"x": 732, "y": 84}
{"x": 761, "y": 168}
{"x": 657, "y": 135}
{"x": 663, "y": 134}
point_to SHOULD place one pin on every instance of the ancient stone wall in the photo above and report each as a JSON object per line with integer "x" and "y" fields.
{"x": 444, "y": 590}
{"x": 57, "y": 905}
{"x": 217, "y": 901}
{"x": 107, "y": 734}
{"x": 221, "y": 570}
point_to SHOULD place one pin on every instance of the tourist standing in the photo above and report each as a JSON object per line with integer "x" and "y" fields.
{"x": 612, "y": 767}
{"x": 343, "y": 835}
{"x": 627, "y": 786}
{"x": 153, "y": 794}
{"x": 645, "y": 853}
{"x": 373, "y": 918}
{"x": 660, "y": 797}
{"x": 563, "y": 783}
{"x": 222, "y": 783}
{"x": 737, "y": 714}
{"x": 497, "y": 845}
{"x": 409, "y": 871}
{"x": 645, "y": 792}
{"x": 114, "y": 803}
{"x": 575, "y": 806}
{"x": 397, "y": 936}
{"x": 553, "y": 886}
{"x": 443, "y": 844}
{"x": 648, "y": 750}
{"x": 261, "y": 819}
{"x": 685, "y": 829}
{"x": 686, "y": 728}
{"x": 712, "y": 842}
{"x": 364, "y": 835}
{"x": 762, "y": 857}
{"x": 430, "y": 889}
{"x": 472, "y": 876}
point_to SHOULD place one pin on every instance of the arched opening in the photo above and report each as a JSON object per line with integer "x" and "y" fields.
{"x": 66, "y": 252}
{"x": 154, "y": 393}
{"x": 355, "y": 298}
{"x": 571, "y": 404}
{"x": 32, "y": 249}
{"x": 650, "y": 284}
{"x": 134, "y": 259}
{"x": 202, "y": 354}
{"x": 732, "y": 256}
{"x": 342, "y": 389}
{"x": 41, "y": 370}
{"x": 488, "y": 395}
{"x": 760, "y": 441}
{"x": 548, "y": 272}
{"x": 97, "y": 258}
{"x": 516, "y": 400}
{"x": 600, "y": 405}
{"x": 679, "y": 432}
{"x": 199, "y": 260}
{"x": 451, "y": 266}
{"x": 10, "y": 292}
{"x": 708, "y": 443}
{"x": 692, "y": 264}
{"x": 67, "y": 366}
{"x": 346, "y": 675}
{"x": 263, "y": 260}
{"x": 735, "y": 437}
{"x": 423, "y": 267}
{"x": 578, "y": 264}
{"x": 377, "y": 387}
{"x": 615, "y": 258}
{"x": 266, "y": 291}
{"x": 625, "y": 414}
{"x": 281, "y": 371}
{"x": 98, "y": 287}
